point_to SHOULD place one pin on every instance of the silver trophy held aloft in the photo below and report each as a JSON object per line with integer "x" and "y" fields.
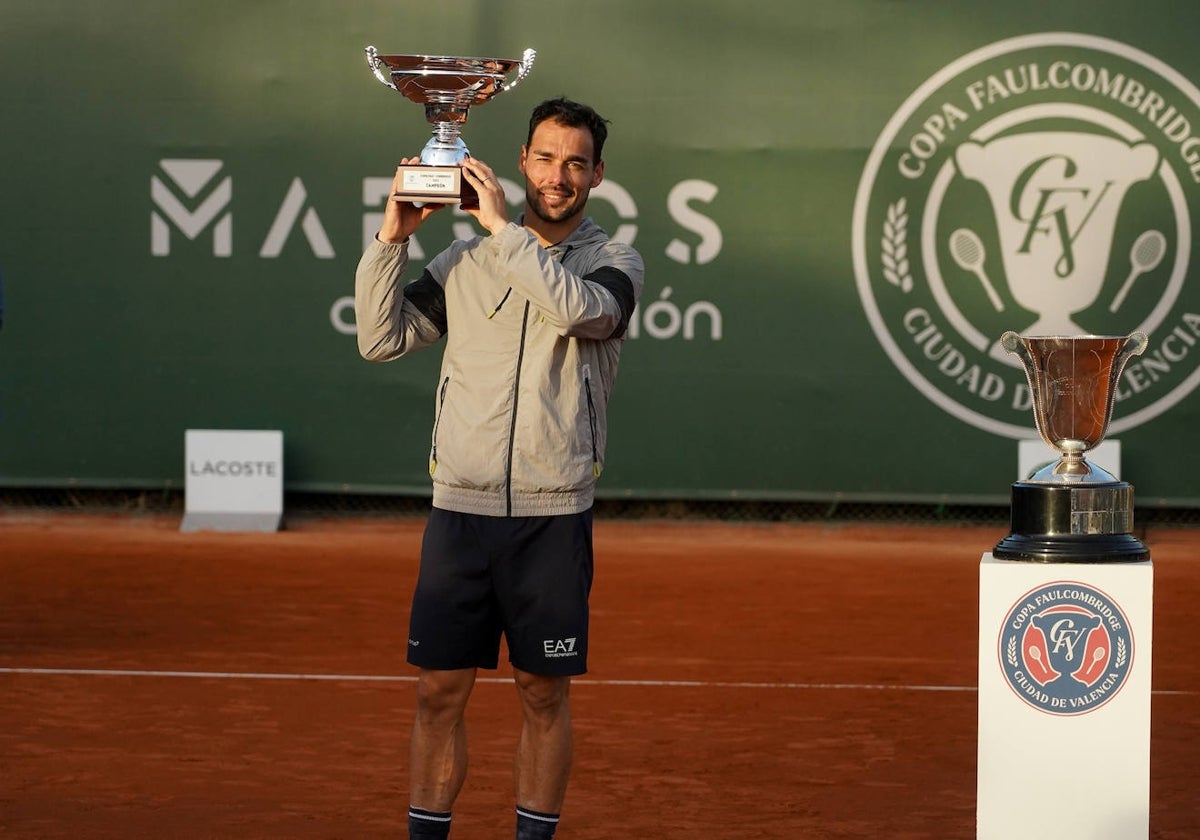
{"x": 447, "y": 86}
{"x": 1072, "y": 510}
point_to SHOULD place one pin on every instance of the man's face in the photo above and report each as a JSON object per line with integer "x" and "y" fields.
{"x": 559, "y": 172}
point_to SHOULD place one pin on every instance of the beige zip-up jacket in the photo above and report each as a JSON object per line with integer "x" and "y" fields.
{"x": 533, "y": 338}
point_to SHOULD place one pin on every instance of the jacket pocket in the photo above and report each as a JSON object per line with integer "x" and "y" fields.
{"x": 591, "y": 408}
{"x": 437, "y": 422}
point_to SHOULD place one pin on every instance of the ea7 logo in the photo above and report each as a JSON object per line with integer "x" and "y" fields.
{"x": 200, "y": 199}
{"x": 559, "y": 647}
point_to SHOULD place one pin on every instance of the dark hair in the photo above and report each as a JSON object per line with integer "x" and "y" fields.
{"x": 573, "y": 115}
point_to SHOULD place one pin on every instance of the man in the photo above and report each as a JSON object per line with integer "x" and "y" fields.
{"x": 534, "y": 316}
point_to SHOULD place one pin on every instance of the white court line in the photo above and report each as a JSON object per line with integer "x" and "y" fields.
{"x": 580, "y": 681}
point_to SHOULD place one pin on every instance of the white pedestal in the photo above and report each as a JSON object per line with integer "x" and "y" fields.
{"x": 1064, "y": 744}
{"x": 234, "y": 480}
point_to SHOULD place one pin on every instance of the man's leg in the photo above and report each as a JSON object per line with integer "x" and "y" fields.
{"x": 544, "y": 752}
{"x": 437, "y": 754}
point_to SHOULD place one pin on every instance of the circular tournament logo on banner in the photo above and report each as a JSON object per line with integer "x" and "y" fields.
{"x": 1066, "y": 648}
{"x": 1044, "y": 184}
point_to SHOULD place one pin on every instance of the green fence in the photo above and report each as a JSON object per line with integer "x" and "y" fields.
{"x": 841, "y": 207}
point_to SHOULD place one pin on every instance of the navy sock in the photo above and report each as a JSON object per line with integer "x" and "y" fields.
{"x": 428, "y": 825}
{"x": 534, "y": 825}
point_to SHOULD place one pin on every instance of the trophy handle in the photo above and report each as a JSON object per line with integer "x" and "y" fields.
{"x": 374, "y": 63}
{"x": 1134, "y": 345}
{"x": 1011, "y": 342}
{"x": 522, "y": 70}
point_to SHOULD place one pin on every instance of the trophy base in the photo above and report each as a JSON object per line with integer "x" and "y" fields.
{"x": 1064, "y": 523}
{"x": 424, "y": 184}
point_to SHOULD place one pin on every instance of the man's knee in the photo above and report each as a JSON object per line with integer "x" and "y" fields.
{"x": 541, "y": 695}
{"x": 443, "y": 694}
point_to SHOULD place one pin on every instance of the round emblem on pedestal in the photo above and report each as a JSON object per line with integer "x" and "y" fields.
{"x": 1066, "y": 648}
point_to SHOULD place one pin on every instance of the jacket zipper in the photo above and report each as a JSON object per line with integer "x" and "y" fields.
{"x": 512, "y": 426}
{"x": 437, "y": 421}
{"x": 587, "y": 388}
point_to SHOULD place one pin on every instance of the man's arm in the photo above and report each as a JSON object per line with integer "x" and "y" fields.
{"x": 393, "y": 319}
{"x": 598, "y": 305}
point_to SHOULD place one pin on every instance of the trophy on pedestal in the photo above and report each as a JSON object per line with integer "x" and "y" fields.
{"x": 447, "y": 86}
{"x": 1072, "y": 511}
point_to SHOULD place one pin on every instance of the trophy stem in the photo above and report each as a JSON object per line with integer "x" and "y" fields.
{"x": 447, "y": 133}
{"x": 445, "y": 147}
{"x": 1071, "y": 463}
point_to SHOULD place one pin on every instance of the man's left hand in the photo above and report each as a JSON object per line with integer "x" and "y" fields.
{"x": 492, "y": 211}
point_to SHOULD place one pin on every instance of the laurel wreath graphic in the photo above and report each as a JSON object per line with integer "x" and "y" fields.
{"x": 1122, "y": 653}
{"x": 1010, "y": 652}
{"x": 895, "y": 246}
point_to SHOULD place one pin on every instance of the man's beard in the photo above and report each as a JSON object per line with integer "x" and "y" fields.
{"x": 535, "y": 200}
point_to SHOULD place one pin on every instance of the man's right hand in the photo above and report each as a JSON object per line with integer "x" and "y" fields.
{"x": 402, "y": 218}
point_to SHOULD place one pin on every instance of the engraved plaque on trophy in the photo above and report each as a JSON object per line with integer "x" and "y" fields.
{"x": 1072, "y": 510}
{"x": 447, "y": 86}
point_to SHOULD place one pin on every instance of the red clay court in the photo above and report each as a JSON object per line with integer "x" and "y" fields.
{"x": 747, "y": 681}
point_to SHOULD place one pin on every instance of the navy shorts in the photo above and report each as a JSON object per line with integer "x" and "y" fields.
{"x": 526, "y": 578}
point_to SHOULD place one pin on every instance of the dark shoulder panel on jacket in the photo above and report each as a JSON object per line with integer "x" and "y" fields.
{"x": 428, "y": 296}
{"x": 618, "y": 283}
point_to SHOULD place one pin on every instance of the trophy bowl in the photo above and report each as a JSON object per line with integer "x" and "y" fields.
{"x": 1072, "y": 510}
{"x": 447, "y": 86}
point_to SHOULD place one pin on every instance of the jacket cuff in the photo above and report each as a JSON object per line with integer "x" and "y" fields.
{"x": 390, "y": 247}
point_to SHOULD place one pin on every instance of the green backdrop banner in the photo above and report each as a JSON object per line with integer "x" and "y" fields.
{"x": 841, "y": 208}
